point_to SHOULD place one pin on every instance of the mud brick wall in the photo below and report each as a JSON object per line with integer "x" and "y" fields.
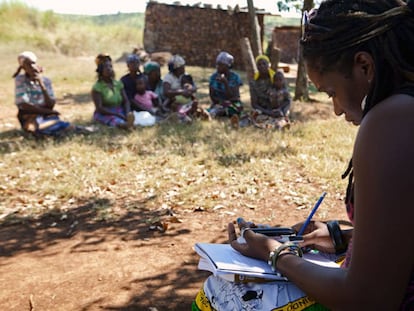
{"x": 196, "y": 33}
{"x": 286, "y": 38}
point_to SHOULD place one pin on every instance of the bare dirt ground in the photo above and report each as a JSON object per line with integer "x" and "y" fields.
{"x": 76, "y": 263}
{"x": 70, "y": 261}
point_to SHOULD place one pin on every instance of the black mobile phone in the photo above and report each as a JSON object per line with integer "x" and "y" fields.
{"x": 274, "y": 231}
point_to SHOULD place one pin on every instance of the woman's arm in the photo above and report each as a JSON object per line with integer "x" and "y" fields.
{"x": 34, "y": 109}
{"x": 382, "y": 243}
{"x": 383, "y": 247}
{"x": 171, "y": 93}
{"x": 47, "y": 91}
{"x": 125, "y": 101}
{"x": 97, "y": 100}
{"x": 232, "y": 90}
{"x": 213, "y": 98}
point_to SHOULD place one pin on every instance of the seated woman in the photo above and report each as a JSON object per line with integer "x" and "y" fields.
{"x": 112, "y": 106}
{"x": 128, "y": 80}
{"x": 270, "y": 97}
{"x": 152, "y": 71}
{"x": 35, "y": 100}
{"x": 225, "y": 88}
{"x": 174, "y": 91}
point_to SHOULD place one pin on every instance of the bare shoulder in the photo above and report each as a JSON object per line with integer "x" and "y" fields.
{"x": 384, "y": 148}
{"x": 392, "y": 119}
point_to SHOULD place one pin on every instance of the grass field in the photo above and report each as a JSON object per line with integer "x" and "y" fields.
{"x": 158, "y": 159}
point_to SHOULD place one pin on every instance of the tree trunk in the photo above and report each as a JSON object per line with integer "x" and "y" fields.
{"x": 274, "y": 53}
{"x": 248, "y": 58}
{"x": 254, "y": 24}
{"x": 301, "y": 89}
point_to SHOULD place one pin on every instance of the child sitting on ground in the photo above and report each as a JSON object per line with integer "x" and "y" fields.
{"x": 280, "y": 98}
{"x": 144, "y": 100}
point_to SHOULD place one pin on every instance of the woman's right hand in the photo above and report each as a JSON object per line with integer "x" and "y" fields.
{"x": 317, "y": 236}
{"x": 256, "y": 245}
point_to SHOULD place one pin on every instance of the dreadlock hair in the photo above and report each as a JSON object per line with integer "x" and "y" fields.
{"x": 383, "y": 28}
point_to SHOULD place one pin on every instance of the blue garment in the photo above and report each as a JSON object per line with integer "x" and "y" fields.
{"x": 219, "y": 89}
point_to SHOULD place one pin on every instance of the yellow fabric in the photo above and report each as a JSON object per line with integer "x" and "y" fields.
{"x": 271, "y": 74}
{"x": 264, "y": 57}
{"x": 297, "y": 305}
{"x": 202, "y": 302}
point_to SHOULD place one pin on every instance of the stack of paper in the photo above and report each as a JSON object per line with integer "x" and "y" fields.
{"x": 224, "y": 261}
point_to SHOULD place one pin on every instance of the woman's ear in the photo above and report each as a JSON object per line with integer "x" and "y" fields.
{"x": 365, "y": 65}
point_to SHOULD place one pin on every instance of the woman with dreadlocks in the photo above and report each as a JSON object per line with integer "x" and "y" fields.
{"x": 361, "y": 53}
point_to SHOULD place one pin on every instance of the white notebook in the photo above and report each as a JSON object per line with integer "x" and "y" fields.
{"x": 223, "y": 260}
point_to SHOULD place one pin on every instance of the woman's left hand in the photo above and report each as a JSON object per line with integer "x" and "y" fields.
{"x": 257, "y": 245}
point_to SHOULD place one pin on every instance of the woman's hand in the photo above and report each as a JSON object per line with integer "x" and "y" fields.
{"x": 257, "y": 245}
{"x": 317, "y": 236}
{"x": 221, "y": 78}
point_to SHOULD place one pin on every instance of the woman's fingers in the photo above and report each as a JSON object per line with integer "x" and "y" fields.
{"x": 231, "y": 230}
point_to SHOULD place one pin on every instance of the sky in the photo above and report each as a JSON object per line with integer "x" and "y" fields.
{"x": 93, "y": 7}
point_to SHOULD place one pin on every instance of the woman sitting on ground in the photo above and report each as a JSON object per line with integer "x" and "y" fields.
{"x": 270, "y": 97}
{"x": 128, "y": 80}
{"x": 174, "y": 91}
{"x": 225, "y": 88}
{"x": 152, "y": 71}
{"x": 35, "y": 100}
{"x": 112, "y": 106}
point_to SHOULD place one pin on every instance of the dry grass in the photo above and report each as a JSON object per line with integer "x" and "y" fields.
{"x": 202, "y": 165}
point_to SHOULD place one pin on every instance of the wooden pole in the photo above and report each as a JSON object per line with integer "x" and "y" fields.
{"x": 254, "y": 25}
{"x": 248, "y": 60}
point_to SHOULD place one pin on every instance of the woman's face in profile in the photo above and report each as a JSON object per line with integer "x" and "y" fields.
{"x": 347, "y": 92}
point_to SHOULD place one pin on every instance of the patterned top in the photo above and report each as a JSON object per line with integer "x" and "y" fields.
{"x": 260, "y": 92}
{"x": 110, "y": 97}
{"x": 28, "y": 91}
{"x": 219, "y": 89}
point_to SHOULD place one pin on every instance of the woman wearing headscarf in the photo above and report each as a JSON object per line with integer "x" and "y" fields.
{"x": 112, "y": 106}
{"x": 35, "y": 99}
{"x": 270, "y": 97}
{"x": 173, "y": 89}
{"x": 225, "y": 88}
{"x": 152, "y": 71}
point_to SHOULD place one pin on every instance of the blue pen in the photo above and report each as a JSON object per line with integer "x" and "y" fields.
{"x": 307, "y": 221}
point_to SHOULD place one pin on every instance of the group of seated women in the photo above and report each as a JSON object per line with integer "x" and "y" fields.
{"x": 118, "y": 101}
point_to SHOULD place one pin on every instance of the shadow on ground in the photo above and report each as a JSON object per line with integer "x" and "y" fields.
{"x": 166, "y": 290}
